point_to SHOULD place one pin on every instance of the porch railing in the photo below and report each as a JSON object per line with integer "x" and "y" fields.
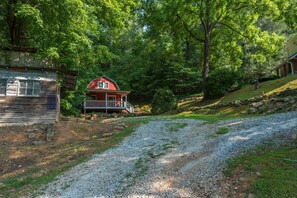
{"x": 101, "y": 104}
{"x": 129, "y": 107}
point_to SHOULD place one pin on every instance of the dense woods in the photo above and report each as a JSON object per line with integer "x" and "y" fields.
{"x": 208, "y": 46}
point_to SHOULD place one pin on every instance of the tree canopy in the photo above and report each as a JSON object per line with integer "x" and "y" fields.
{"x": 150, "y": 44}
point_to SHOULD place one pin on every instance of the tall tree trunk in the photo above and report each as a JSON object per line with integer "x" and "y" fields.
{"x": 205, "y": 69}
{"x": 14, "y": 25}
{"x": 207, "y": 30}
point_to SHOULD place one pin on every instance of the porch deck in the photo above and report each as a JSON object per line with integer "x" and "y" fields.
{"x": 108, "y": 105}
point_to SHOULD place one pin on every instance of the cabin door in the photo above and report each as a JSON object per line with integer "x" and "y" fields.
{"x": 111, "y": 101}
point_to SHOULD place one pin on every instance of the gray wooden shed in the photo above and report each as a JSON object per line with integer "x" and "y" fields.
{"x": 29, "y": 92}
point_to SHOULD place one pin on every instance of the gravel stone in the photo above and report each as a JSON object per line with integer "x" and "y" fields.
{"x": 156, "y": 161}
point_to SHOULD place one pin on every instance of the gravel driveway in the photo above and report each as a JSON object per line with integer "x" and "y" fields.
{"x": 169, "y": 158}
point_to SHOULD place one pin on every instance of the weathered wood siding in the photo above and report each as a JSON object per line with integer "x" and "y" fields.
{"x": 42, "y": 108}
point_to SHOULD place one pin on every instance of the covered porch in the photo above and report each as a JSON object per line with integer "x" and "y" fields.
{"x": 107, "y": 100}
{"x": 289, "y": 67}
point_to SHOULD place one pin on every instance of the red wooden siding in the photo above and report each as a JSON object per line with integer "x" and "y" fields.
{"x": 101, "y": 96}
{"x": 94, "y": 84}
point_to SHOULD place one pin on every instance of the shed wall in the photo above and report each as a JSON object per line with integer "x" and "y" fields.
{"x": 42, "y": 108}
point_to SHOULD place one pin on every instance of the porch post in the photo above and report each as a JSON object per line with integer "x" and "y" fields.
{"x": 126, "y": 97}
{"x": 292, "y": 68}
{"x": 58, "y": 105}
{"x": 85, "y": 104}
{"x": 106, "y": 102}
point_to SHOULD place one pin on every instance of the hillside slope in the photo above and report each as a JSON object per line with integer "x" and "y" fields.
{"x": 266, "y": 88}
{"x": 236, "y": 103}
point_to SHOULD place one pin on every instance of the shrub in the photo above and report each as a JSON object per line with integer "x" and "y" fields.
{"x": 164, "y": 100}
{"x": 71, "y": 103}
{"x": 222, "y": 81}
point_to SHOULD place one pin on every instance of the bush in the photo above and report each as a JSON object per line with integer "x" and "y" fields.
{"x": 164, "y": 100}
{"x": 71, "y": 103}
{"x": 222, "y": 81}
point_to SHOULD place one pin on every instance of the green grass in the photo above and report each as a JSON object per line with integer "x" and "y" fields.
{"x": 277, "y": 168}
{"x": 222, "y": 131}
{"x": 174, "y": 142}
{"x": 268, "y": 88}
{"x": 181, "y": 97}
{"x": 174, "y": 127}
{"x": 210, "y": 118}
{"x": 15, "y": 183}
{"x": 167, "y": 146}
{"x": 191, "y": 115}
{"x": 213, "y": 115}
{"x": 197, "y": 103}
{"x": 152, "y": 154}
{"x": 141, "y": 167}
{"x": 128, "y": 174}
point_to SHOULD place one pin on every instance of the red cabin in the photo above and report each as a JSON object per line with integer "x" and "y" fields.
{"x": 104, "y": 93}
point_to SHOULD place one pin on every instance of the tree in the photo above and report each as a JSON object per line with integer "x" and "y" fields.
{"x": 76, "y": 34}
{"x": 211, "y": 21}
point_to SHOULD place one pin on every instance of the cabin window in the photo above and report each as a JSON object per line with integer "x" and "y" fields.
{"x": 29, "y": 88}
{"x": 104, "y": 85}
{"x": 3, "y": 84}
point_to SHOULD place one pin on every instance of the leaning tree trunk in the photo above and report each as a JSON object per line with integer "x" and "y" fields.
{"x": 205, "y": 69}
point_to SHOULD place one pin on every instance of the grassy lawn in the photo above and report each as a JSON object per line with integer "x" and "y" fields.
{"x": 268, "y": 88}
{"x": 271, "y": 172}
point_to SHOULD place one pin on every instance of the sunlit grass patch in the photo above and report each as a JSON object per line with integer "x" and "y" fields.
{"x": 272, "y": 171}
{"x": 210, "y": 118}
{"x": 266, "y": 88}
{"x": 174, "y": 127}
{"x": 222, "y": 131}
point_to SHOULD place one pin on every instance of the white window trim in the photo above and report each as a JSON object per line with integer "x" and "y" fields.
{"x": 104, "y": 83}
{"x": 5, "y": 87}
{"x": 25, "y": 95}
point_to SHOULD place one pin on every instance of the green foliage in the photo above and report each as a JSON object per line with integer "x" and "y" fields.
{"x": 164, "y": 100}
{"x": 222, "y": 27}
{"x": 71, "y": 104}
{"x": 147, "y": 44}
{"x": 221, "y": 81}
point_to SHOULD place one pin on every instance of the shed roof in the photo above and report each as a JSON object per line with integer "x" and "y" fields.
{"x": 104, "y": 76}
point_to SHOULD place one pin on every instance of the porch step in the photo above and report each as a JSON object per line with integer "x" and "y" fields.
{"x": 129, "y": 107}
